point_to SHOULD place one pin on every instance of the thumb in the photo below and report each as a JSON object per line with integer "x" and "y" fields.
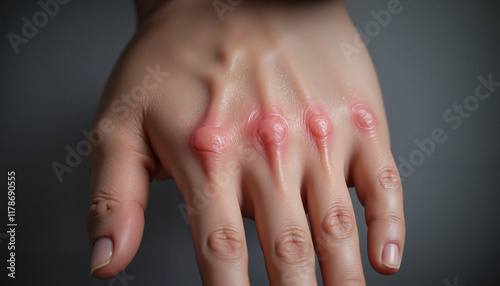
{"x": 119, "y": 180}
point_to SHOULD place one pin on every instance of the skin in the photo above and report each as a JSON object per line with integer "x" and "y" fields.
{"x": 261, "y": 116}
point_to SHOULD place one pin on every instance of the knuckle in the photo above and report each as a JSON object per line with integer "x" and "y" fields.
{"x": 339, "y": 222}
{"x": 209, "y": 139}
{"x": 100, "y": 206}
{"x": 226, "y": 243}
{"x": 320, "y": 125}
{"x": 102, "y": 203}
{"x": 295, "y": 276}
{"x": 395, "y": 219}
{"x": 364, "y": 117}
{"x": 272, "y": 130}
{"x": 351, "y": 278}
{"x": 390, "y": 217}
{"x": 293, "y": 246}
{"x": 389, "y": 179}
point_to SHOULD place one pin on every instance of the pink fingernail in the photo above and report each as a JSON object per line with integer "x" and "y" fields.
{"x": 101, "y": 253}
{"x": 390, "y": 255}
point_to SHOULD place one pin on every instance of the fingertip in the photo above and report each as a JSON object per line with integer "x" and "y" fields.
{"x": 115, "y": 239}
{"x": 102, "y": 251}
{"x": 379, "y": 189}
{"x": 385, "y": 244}
{"x": 385, "y": 256}
{"x": 391, "y": 256}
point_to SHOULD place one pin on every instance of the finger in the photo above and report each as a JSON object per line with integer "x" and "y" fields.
{"x": 217, "y": 229}
{"x": 120, "y": 168}
{"x": 279, "y": 212}
{"x": 334, "y": 230}
{"x": 275, "y": 176}
{"x": 328, "y": 202}
{"x": 378, "y": 186}
{"x": 379, "y": 189}
{"x": 284, "y": 235}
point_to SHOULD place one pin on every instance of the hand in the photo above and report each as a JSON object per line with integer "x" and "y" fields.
{"x": 258, "y": 116}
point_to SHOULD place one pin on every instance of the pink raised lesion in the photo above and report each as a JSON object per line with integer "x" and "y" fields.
{"x": 209, "y": 138}
{"x": 269, "y": 131}
{"x": 363, "y": 117}
{"x": 320, "y": 127}
{"x": 272, "y": 130}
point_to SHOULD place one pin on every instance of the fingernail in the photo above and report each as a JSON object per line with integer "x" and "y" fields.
{"x": 390, "y": 255}
{"x": 101, "y": 253}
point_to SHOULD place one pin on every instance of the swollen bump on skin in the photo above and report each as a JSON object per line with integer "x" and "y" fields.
{"x": 320, "y": 126}
{"x": 209, "y": 139}
{"x": 272, "y": 130}
{"x": 364, "y": 117}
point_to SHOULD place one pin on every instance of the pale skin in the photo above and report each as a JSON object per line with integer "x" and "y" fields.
{"x": 260, "y": 116}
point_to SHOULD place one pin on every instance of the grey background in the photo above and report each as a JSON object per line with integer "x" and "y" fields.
{"x": 428, "y": 58}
